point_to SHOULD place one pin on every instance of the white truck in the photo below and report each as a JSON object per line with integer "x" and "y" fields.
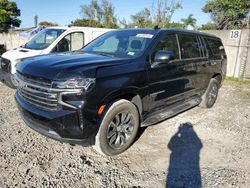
{"x": 49, "y": 40}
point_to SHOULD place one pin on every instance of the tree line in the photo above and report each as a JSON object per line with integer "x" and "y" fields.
{"x": 225, "y": 14}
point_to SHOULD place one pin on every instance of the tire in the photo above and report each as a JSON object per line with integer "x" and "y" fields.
{"x": 210, "y": 96}
{"x": 118, "y": 128}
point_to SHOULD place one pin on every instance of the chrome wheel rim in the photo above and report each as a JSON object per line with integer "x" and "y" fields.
{"x": 212, "y": 94}
{"x": 120, "y": 129}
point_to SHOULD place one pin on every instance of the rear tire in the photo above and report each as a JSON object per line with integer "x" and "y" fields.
{"x": 118, "y": 128}
{"x": 210, "y": 96}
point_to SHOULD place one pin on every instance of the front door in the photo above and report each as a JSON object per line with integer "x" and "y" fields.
{"x": 166, "y": 82}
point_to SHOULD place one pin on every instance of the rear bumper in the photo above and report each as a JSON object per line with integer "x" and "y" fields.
{"x": 62, "y": 126}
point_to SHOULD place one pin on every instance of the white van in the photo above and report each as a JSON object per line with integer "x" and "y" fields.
{"x": 49, "y": 40}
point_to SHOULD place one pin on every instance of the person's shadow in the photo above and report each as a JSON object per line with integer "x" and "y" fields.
{"x": 184, "y": 167}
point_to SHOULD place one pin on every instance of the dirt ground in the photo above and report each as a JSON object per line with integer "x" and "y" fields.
{"x": 198, "y": 147}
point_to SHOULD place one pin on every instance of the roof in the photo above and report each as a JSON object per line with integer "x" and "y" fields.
{"x": 170, "y": 29}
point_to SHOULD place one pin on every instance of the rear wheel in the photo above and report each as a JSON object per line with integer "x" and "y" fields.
{"x": 118, "y": 128}
{"x": 210, "y": 96}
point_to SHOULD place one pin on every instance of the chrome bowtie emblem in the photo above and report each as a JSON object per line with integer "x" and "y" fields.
{"x": 21, "y": 85}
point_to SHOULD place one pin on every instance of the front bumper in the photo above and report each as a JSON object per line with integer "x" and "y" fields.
{"x": 6, "y": 78}
{"x": 62, "y": 125}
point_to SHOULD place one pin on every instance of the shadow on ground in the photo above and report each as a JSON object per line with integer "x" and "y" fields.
{"x": 184, "y": 167}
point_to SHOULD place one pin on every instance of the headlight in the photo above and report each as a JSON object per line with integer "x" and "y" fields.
{"x": 75, "y": 83}
{"x": 17, "y": 62}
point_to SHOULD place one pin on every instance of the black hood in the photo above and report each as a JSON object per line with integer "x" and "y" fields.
{"x": 49, "y": 66}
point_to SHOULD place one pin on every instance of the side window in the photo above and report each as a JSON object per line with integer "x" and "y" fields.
{"x": 71, "y": 42}
{"x": 77, "y": 41}
{"x": 189, "y": 45}
{"x": 215, "y": 48}
{"x": 168, "y": 43}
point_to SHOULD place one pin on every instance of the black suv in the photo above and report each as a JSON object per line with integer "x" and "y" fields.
{"x": 121, "y": 81}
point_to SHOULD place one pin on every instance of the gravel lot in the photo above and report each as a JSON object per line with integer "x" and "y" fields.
{"x": 211, "y": 148}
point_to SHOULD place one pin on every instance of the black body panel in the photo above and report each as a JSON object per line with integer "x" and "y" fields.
{"x": 176, "y": 85}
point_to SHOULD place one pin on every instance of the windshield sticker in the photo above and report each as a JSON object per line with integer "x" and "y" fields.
{"x": 131, "y": 53}
{"x": 147, "y": 36}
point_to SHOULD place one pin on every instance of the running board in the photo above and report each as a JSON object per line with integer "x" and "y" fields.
{"x": 171, "y": 110}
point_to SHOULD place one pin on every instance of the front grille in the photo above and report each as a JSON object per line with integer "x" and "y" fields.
{"x": 37, "y": 92}
{"x": 6, "y": 65}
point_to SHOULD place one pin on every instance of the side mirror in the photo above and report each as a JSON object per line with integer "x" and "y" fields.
{"x": 162, "y": 58}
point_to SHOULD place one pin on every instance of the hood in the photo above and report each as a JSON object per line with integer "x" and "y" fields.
{"x": 20, "y": 53}
{"x": 50, "y": 66}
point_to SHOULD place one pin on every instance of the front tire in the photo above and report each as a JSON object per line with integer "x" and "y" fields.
{"x": 210, "y": 96}
{"x": 118, "y": 128}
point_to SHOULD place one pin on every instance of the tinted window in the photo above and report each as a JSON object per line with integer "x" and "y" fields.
{"x": 215, "y": 48}
{"x": 122, "y": 43}
{"x": 168, "y": 43}
{"x": 189, "y": 46}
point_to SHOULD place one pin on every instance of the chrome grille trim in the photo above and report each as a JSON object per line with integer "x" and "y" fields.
{"x": 41, "y": 95}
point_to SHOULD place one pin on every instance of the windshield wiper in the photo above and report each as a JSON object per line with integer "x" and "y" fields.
{"x": 102, "y": 53}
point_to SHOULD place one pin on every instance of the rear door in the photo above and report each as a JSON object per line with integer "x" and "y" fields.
{"x": 193, "y": 60}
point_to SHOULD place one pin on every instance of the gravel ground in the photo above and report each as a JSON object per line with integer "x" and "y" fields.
{"x": 198, "y": 147}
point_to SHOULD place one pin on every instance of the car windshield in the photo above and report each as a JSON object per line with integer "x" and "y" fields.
{"x": 123, "y": 43}
{"x": 43, "y": 39}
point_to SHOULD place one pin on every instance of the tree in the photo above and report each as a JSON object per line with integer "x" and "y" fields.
{"x": 108, "y": 11}
{"x": 86, "y": 23}
{"x": 92, "y": 11}
{"x": 161, "y": 15}
{"x": 189, "y": 21}
{"x": 8, "y": 15}
{"x": 165, "y": 11}
{"x": 228, "y": 14}
{"x": 176, "y": 25}
{"x": 47, "y": 24}
{"x": 103, "y": 13}
{"x": 142, "y": 18}
{"x": 208, "y": 26}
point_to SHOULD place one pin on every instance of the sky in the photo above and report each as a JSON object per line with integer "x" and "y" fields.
{"x": 63, "y": 12}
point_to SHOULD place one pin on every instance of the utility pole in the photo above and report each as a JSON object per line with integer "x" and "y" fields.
{"x": 36, "y": 20}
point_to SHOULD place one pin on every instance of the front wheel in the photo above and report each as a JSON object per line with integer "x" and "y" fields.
{"x": 118, "y": 128}
{"x": 210, "y": 96}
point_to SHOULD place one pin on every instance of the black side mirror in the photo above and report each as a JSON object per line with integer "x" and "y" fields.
{"x": 162, "y": 58}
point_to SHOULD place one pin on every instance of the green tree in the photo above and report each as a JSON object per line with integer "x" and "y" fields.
{"x": 103, "y": 13}
{"x": 176, "y": 25}
{"x": 208, "y": 26}
{"x": 161, "y": 14}
{"x": 108, "y": 11}
{"x": 142, "y": 18}
{"x": 47, "y": 24}
{"x": 9, "y": 14}
{"x": 86, "y": 23}
{"x": 165, "y": 11}
{"x": 228, "y": 14}
{"x": 92, "y": 11}
{"x": 189, "y": 21}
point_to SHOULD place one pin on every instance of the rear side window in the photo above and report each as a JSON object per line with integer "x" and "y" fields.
{"x": 189, "y": 46}
{"x": 215, "y": 48}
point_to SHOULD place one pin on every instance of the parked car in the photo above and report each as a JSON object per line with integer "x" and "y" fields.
{"x": 121, "y": 81}
{"x": 47, "y": 41}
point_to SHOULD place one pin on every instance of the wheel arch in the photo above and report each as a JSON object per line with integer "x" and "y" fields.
{"x": 130, "y": 94}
